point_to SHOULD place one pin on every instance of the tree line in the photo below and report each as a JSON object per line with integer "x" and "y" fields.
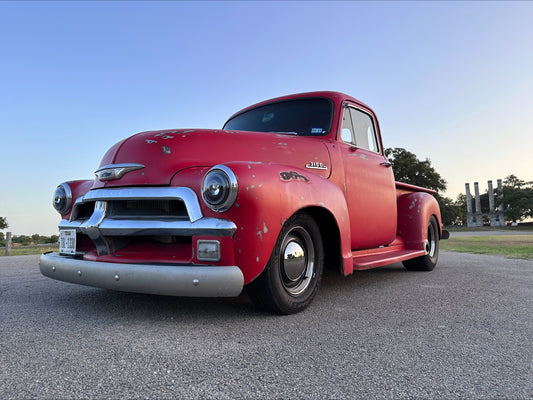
{"x": 25, "y": 240}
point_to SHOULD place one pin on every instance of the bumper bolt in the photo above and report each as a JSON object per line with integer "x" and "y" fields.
{"x": 195, "y": 282}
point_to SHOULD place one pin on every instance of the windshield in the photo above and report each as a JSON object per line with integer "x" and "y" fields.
{"x": 304, "y": 117}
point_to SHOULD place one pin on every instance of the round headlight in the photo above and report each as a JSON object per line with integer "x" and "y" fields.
{"x": 219, "y": 188}
{"x": 62, "y": 199}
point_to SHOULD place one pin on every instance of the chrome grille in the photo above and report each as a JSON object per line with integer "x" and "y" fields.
{"x": 147, "y": 209}
{"x": 109, "y": 216}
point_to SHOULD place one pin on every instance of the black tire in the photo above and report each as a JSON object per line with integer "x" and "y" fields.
{"x": 429, "y": 261}
{"x": 292, "y": 276}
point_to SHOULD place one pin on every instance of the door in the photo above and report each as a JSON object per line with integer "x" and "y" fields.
{"x": 370, "y": 187}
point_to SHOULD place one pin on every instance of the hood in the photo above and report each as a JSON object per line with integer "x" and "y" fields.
{"x": 164, "y": 153}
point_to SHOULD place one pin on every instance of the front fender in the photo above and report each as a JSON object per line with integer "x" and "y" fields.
{"x": 414, "y": 212}
{"x": 269, "y": 194}
{"x": 77, "y": 188}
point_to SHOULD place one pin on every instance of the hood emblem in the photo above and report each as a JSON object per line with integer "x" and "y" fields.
{"x": 316, "y": 165}
{"x": 115, "y": 171}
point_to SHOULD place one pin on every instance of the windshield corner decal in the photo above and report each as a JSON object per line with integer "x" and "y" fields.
{"x": 316, "y": 165}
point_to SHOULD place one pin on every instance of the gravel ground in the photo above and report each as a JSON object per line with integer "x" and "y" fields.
{"x": 462, "y": 331}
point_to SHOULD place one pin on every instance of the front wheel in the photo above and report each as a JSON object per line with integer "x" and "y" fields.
{"x": 292, "y": 276}
{"x": 429, "y": 261}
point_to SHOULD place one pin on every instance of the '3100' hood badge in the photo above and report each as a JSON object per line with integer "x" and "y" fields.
{"x": 316, "y": 165}
{"x": 115, "y": 171}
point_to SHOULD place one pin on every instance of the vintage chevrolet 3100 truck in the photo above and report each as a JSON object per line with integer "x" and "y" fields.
{"x": 286, "y": 187}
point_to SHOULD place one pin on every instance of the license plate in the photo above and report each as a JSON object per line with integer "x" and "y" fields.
{"x": 67, "y": 241}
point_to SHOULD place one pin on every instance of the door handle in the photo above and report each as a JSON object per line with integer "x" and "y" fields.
{"x": 386, "y": 164}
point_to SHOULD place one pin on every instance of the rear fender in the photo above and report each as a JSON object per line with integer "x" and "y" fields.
{"x": 414, "y": 212}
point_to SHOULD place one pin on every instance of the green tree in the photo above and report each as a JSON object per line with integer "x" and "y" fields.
{"x": 512, "y": 181}
{"x": 3, "y": 225}
{"x": 409, "y": 169}
{"x": 22, "y": 240}
{"x": 450, "y": 211}
{"x": 517, "y": 199}
{"x": 460, "y": 204}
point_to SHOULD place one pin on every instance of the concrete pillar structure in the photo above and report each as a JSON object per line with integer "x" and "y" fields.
{"x": 8, "y": 243}
{"x": 478, "y": 215}
{"x": 491, "y": 197}
{"x": 492, "y": 215}
{"x": 469, "y": 214}
{"x": 496, "y": 215}
{"x": 501, "y": 216}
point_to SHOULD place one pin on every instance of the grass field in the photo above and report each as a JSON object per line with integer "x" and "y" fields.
{"x": 513, "y": 246}
{"x": 29, "y": 250}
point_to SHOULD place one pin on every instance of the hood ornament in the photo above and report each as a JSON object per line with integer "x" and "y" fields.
{"x": 115, "y": 171}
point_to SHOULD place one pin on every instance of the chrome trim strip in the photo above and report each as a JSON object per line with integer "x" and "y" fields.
{"x": 185, "y": 194}
{"x": 92, "y": 228}
{"x": 138, "y": 227}
{"x": 168, "y": 280}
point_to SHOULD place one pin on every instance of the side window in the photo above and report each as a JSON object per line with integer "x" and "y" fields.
{"x": 363, "y": 129}
{"x": 347, "y": 128}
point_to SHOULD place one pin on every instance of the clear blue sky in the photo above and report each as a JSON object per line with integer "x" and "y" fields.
{"x": 450, "y": 81}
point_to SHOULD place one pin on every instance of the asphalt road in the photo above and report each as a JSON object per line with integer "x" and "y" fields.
{"x": 464, "y": 330}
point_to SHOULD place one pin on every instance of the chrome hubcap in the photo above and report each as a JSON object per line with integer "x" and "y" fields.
{"x": 432, "y": 238}
{"x": 294, "y": 261}
{"x": 297, "y": 262}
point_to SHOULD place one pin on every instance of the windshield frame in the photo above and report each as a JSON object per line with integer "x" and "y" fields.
{"x": 325, "y": 131}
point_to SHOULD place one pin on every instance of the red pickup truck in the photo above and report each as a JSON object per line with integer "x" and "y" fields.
{"x": 287, "y": 187}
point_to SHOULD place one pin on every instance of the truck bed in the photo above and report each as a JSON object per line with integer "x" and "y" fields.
{"x": 404, "y": 188}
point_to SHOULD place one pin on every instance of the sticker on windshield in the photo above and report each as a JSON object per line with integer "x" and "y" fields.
{"x": 267, "y": 117}
{"x": 316, "y": 131}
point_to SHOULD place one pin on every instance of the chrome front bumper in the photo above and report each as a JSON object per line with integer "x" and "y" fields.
{"x": 168, "y": 280}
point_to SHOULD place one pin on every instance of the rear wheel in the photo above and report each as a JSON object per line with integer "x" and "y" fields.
{"x": 292, "y": 276}
{"x": 429, "y": 261}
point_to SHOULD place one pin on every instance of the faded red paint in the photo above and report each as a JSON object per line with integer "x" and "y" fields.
{"x": 378, "y": 221}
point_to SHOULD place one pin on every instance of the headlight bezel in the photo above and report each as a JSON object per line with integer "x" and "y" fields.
{"x": 229, "y": 190}
{"x": 62, "y": 201}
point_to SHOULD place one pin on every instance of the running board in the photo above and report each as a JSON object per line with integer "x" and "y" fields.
{"x": 379, "y": 257}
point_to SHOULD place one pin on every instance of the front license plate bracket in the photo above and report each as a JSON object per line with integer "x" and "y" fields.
{"x": 67, "y": 242}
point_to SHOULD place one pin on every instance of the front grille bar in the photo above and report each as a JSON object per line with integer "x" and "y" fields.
{"x": 135, "y": 193}
{"x": 101, "y": 224}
